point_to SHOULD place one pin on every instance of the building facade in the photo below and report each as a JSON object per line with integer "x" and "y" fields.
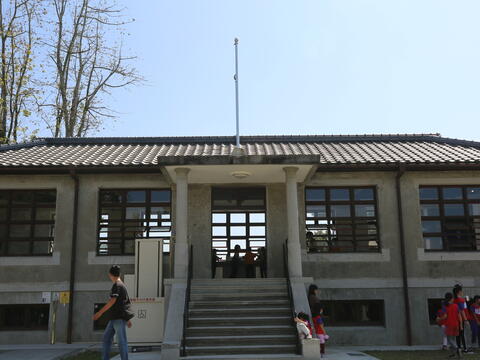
{"x": 387, "y": 224}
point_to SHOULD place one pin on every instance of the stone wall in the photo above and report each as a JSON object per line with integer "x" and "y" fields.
{"x": 340, "y": 276}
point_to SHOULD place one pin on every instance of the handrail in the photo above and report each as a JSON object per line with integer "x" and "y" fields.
{"x": 187, "y": 300}
{"x": 290, "y": 295}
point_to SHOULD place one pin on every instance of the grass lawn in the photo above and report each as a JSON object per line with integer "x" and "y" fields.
{"x": 417, "y": 355}
{"x": 88, "y": 355}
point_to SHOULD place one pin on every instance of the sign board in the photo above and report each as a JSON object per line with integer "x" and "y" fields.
{"x": 64, "y": 297}
{"x": 147, "y": 324}
{"x": 46, "y": 297}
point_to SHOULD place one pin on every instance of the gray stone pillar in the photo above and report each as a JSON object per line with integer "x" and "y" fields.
{"x": 181, "y": 224}
{"x": 172, "y": 338}
{"x": 293, "y": 245}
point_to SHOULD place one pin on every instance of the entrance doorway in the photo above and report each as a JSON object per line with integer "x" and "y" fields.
{"x": 238, "y": 218}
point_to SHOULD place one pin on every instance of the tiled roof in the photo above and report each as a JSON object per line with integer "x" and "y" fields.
{"x": 327, "y": 149}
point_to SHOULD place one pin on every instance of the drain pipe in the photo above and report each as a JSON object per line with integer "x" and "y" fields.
{"x": 406, "y": 297}
{"x": 73, "y": 256}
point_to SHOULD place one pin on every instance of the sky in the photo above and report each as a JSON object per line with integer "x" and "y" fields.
{"x": 305, "y": 67}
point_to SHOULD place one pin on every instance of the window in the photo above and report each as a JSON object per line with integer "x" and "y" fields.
{"x": 354, "y": 312}
{"x": 341, "y": 219}
{"x": 127, "y": 215}
{"x": 450, "y": 217}
{"x": 24, "y": 317}
{"x": 101, "y": 323}
{"x": 433, "y": 306}
{"x": 27, "y": 222}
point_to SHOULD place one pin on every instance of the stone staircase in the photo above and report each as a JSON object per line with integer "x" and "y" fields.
{"x": 240, "y": 318}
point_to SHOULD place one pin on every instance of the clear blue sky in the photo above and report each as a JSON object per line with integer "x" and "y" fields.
{"x": 306, "y": 67}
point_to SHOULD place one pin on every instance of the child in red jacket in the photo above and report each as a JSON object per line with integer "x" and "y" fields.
{"x": 317, "y": 317}
{"x": 441, "y": 319}
{"x": 460, "y": 300}
{"x": 453, "y": 324}
{"x": 475, "y": 321}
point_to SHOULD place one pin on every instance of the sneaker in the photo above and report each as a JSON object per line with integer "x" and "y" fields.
{"x": 444, "y": 347}
{"x": 467, "y": 351}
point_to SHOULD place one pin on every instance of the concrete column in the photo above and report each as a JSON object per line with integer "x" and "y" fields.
{"x": 181, "y": 224}
{"x": 293, "y": 245}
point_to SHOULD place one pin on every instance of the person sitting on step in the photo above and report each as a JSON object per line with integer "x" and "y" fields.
{"x": 303, "y": 326}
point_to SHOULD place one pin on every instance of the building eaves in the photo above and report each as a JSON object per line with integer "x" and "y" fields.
{"x": 324, "y": 150}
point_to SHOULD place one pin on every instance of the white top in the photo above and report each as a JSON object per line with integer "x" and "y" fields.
{"x": 303, "y": 331}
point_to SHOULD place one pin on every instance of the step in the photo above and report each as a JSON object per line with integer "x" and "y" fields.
{"x": 240, "y": 281}
{"x": 215, "y": 331}
{"x": 245, "y": 357}
{"x": 245, "y": 303}
{"x": 271, "y": 320}
{"x": 240, "y": 296}
{"x": 241, "y": 340}
{"x": 246, "y": 349}
{"x": 239, "y": 312}
{"x": 233, "y": 289}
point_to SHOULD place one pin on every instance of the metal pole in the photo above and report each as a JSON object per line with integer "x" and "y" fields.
{"x": 73, "y": 256}
{"x": 406, "y": 296}
{"x": 236, "y": 92}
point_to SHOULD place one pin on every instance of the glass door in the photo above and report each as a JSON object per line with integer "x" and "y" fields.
{"x": 243, "y": 228}
{"x": 238, "y": 219}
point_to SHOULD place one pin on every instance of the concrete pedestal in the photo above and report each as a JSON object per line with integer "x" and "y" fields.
{"x": 311, "y": 349}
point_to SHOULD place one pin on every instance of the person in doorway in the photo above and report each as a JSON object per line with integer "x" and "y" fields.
{"x": 453, "y": 324}
{"x": 249, "y": 260}
{"x": 235, "y": 262}
{"x": 475, "y": 322}
{"x": 317, "y": 318}
{"x": 462, "y": 307}
{"x": 262, "y": 262}
{"x": 119, "y": 313}
{"x": 310, "y": 242}
{"x": 313, "y": 293}
{"x": 215, "y": 260}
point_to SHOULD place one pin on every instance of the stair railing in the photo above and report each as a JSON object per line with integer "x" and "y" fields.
{"x": 187, "y": 300}
{"x": 290, "y": 295}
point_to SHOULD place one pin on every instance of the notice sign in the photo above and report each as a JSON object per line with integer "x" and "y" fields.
{"x": 64, "y": 297}
{"x": 147, "y": 325}
{"x": 46, "y": 297}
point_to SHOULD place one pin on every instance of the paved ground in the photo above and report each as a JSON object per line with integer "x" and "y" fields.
{"x": 34, "y": 355}
{"x": 39, "y": 352}
{"x": 55, "y": 352}
{"x": 150, "y": 355}
{"x": 335, "y": 353}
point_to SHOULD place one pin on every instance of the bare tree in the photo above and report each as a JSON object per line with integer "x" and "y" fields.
{"x": 17, "y": 39}
{"x": 88, "y": 64}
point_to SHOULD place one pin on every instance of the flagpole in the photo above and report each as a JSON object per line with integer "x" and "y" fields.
{"x": 237, "y": 115}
